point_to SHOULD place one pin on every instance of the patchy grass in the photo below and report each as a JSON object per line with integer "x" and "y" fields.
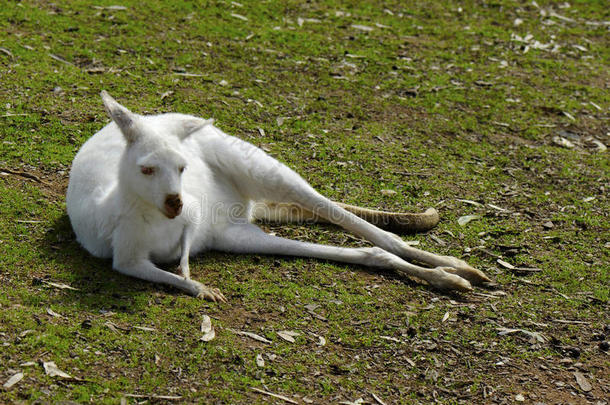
{"x": 440, "y": 102}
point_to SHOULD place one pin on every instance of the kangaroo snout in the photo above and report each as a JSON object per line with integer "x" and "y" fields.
{"x": 173, "y": 205}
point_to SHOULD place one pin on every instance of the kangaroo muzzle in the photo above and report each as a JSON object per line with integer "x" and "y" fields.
{"x": 173, "y": 205}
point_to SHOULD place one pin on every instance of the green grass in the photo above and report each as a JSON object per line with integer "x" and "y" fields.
{"x": 438, "y": 102}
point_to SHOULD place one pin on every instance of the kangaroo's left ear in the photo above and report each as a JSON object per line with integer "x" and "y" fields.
{"x": 191, "y": 125}
{"x": 125, "y": 119}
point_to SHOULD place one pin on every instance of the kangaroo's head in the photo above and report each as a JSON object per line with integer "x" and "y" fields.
{"x": 153, "y": 162}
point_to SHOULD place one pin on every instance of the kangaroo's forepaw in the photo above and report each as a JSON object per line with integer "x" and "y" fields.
{"x": 444, "y": 279}
{"x": 210, "y": 294}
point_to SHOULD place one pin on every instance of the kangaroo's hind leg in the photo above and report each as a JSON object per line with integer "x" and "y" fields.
{"x": 401, "y": 222}
{"x": 260, "y": 177}
{"x": 248, "y": 238}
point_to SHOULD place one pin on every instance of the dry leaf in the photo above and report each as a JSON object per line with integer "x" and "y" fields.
{"x": 239, "y": 16}
{"x": 12, "y": 381}
{"x": 321, "y": 341}
{"x": 54, "y": 314}
{"x": 6, "y": 51}
{"x": 111, "y": 8}
{"x": 50, "y": 368}
{"x": 61, "y": 286}
{"x": 251, "y": 335}
{"x": 364, "y": 28}
{"x": 570, "y": 116}
{"x": 208, "y": 336}
{"x": 582, "y": 382}
{"x": 115, "y": 328}
{"x": 445, "y": 317}
{"x": 534, "y": 336}
{"x": 600, "y": 147}
{"x": 495, "y": 207}
{"x": 561, "y": 141}
{"x": 145, "y": 328}
{"x": 288, "y": 335}
{"x": 467, "y": 218}
{"x": 260, "y": 361}
{"x": 476, "y": 204}
{"x": 206, "y": 324}
{"x": 505, "y": 264}
{"x": 207, "y": 329}
{"x": 388, "y": 192}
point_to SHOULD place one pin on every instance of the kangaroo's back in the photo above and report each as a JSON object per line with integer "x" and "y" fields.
{"x": 93, "y": 178}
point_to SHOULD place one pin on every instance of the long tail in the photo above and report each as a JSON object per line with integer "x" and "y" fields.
{"x": 400, "y": 222}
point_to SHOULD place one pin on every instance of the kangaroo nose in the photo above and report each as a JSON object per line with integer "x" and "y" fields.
{"x": 173, "y": 205}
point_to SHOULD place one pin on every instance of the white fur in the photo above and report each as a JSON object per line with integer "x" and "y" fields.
{"x": 119, "y": 212}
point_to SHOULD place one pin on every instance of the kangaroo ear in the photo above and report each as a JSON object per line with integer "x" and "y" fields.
{"x": 191, "y": 125}
{"x": 125, "y": 119}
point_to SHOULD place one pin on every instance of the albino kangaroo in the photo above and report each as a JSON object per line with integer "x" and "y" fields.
{"x": 148, "y": 189}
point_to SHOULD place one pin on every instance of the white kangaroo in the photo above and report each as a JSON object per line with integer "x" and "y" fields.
{"x": 148, "y": 189}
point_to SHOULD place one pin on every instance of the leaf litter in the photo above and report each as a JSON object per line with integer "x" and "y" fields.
{"x": 51, "y": 369}
{"x": 15, "y": 378}
{"x": 251, "y": 335}
{"x": 467, "y": 218}
{"x": 288, "y": 335}
{"x": 207, "y": 329}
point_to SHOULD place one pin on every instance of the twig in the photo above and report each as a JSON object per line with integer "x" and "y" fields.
{"x": 60, "y": 59}
{"x": 250, "y": 335}
{"x": 23, "y": 174}
{"x": 271, "y": 394}
{"x": 13, "y": 115}
{"x": 376, "y": 398}
{"x": 153, "y": 396}
{"x": 525, "y": 270}
{"x": 421, "y": 174}
{"x": 570, "y": 321}
{"x": 7, "y": 52}
{"x": 186, "y": 74}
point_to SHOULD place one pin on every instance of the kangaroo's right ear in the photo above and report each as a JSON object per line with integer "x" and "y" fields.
{"x": 125, "y": 119}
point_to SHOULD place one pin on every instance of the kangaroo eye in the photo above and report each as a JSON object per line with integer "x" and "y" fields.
{"x": 148, "y": 171}
{"x": 181, "y": 169}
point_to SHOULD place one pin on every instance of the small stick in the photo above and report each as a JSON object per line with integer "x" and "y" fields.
{"x": 152, "y": 396}
{"x": 14, "y": 115}
{"x": 23, "y": 174}
{"x": 379, "y": 401}
{"x": 271, "y": 394}
{"x": 567, "y": 321}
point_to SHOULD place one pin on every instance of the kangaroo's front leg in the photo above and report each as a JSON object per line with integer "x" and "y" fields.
{"x": 138, "y": 265}
{"x": 185, "y": 242}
